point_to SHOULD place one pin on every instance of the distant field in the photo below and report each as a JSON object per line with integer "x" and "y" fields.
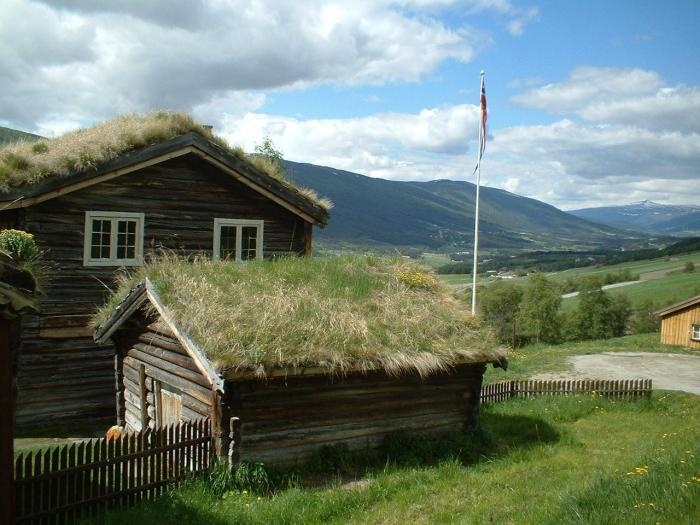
{"x": 434, "y": 259}
{"x": 665, "y": 291}
{"x": 649, "y": 265}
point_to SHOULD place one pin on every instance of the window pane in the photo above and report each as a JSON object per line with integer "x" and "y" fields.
{"x": 249, "y": 237}
{"x": 227, "y": 242}
{"x": 101, "y": 239}
{"x": 126, "y": 239}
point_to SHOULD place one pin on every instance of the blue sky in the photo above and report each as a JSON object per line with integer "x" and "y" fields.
{"x": 658, "y": 36}
{"x": 590, "y": 103}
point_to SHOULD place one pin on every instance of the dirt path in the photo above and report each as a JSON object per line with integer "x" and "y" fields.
{"x": 667, "y": 371}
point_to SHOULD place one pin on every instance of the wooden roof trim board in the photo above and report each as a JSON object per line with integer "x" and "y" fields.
{"x": 678, "y": 306}
{"x": 145, "y": 292}
{"x": 197, "y": 355}
{"x": 151, "y": 155}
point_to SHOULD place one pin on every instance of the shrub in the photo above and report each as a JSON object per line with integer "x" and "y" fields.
{"x": 644, "y": 320}
{"x": 538, "y": 309}
{"x": 252, "y": 477}
{"x": 689, "y": 267}
{"x": 19, "y": 245}
{"x": 598, "y": 316}
{"x": 499, "y": 305}
{"x": 39, "y": 148}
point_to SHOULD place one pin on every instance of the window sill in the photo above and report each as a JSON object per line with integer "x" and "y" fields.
{"x": 117, "y": 263}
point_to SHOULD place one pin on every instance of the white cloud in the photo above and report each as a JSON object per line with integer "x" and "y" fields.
{"x": 389, "y": 145}
{"x": 81, "y": 59}
{"x": 565, "y": 163}
{"x": 631, "y": 97}
{"x": 575, "y": 165}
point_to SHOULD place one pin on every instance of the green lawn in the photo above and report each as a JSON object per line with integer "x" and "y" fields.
{"x": 665, "y": 291}
{"x": 434, "y": 259}
{"x": 577, "y": 459}
{"x": 542, "y": 358}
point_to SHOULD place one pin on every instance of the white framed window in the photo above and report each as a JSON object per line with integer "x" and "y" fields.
{"x": 113, "y": 238}
{"x": 238, "y": 239}
{"x": 695, "y": 332}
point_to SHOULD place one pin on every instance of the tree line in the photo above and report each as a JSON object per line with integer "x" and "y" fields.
{"x": 532, "y": 313}
{"x": 555, "y": 261}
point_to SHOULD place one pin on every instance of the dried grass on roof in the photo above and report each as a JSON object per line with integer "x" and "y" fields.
{"x": 336, "y": 313}
{"x": 26, "y": 162}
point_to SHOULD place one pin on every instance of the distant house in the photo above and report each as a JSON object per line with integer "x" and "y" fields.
{"x": 680, "y": 323}
{"x": 325, "y": 351}
{"x": 102, "y": 199}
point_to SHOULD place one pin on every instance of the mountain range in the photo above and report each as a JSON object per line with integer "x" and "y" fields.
{"x": 439, "y": 215}
{"x": 647, "y": 216}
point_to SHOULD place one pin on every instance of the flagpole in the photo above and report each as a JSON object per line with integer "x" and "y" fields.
{"x": 476, "y": 212}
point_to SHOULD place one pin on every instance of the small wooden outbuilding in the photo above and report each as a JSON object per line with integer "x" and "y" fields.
{"x": 253, "y": 342}
{"x": 680, "y": 323}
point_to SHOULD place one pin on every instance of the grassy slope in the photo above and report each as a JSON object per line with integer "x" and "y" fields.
{"x": 665, "y": 291}
{"x": 650, "y": 265}
{"x": 543, "y": 358}
{"x": 552, "y": 460}
{"x": 8, "y": 135}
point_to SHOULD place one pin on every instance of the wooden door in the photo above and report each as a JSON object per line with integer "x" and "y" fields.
{"x": 170, "y": 405}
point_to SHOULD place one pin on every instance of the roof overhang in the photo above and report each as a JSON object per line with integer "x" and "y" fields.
{"x": 189, "y": 143}
{"x": 678, "y": 306}
{"x": 498, "y": 360}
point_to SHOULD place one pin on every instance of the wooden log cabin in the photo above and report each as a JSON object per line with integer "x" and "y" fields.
{"x": 680, "y": 323}
{"x": 103, "y": 199}
{"x": 288, "y": 393}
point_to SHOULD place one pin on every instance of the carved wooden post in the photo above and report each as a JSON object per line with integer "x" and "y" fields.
{"x": 234, "y": 435}
{"x": 119, "y": 388}
{"x": 7, "y": 422}
{"x": 308, "y": 245}
{"x": 221, "y": 415}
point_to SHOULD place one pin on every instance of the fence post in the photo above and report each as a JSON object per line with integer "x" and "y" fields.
{"x": 234, "y": 436}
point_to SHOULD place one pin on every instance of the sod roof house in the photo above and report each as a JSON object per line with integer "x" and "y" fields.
{"x": 300, "y": 352}
{"x": 104, "y": 198}
{"x": 680, "y": 323}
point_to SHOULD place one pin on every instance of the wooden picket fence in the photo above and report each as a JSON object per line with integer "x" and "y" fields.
{"x": 64, "y": 483}
{"x": 617, "y": 388}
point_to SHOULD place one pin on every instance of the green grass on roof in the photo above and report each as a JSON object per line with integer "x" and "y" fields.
{"x": 28, "y": 162}
{"x": 336, "y": 313}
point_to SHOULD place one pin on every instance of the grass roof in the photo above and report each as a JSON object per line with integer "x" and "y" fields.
{"x": 334, "y": 313}
{"x": 28, "y": 162}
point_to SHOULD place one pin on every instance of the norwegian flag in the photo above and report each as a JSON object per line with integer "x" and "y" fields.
{"x": 484, "y": 113}
{"x": 482, "y": 125}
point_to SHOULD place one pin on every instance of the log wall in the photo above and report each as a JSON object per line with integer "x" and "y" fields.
{"x": 64, "y": 377}
{"x": 676, "y": 327}
{"x": 148, "y": 353}
{"x": 284, "y": 421}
